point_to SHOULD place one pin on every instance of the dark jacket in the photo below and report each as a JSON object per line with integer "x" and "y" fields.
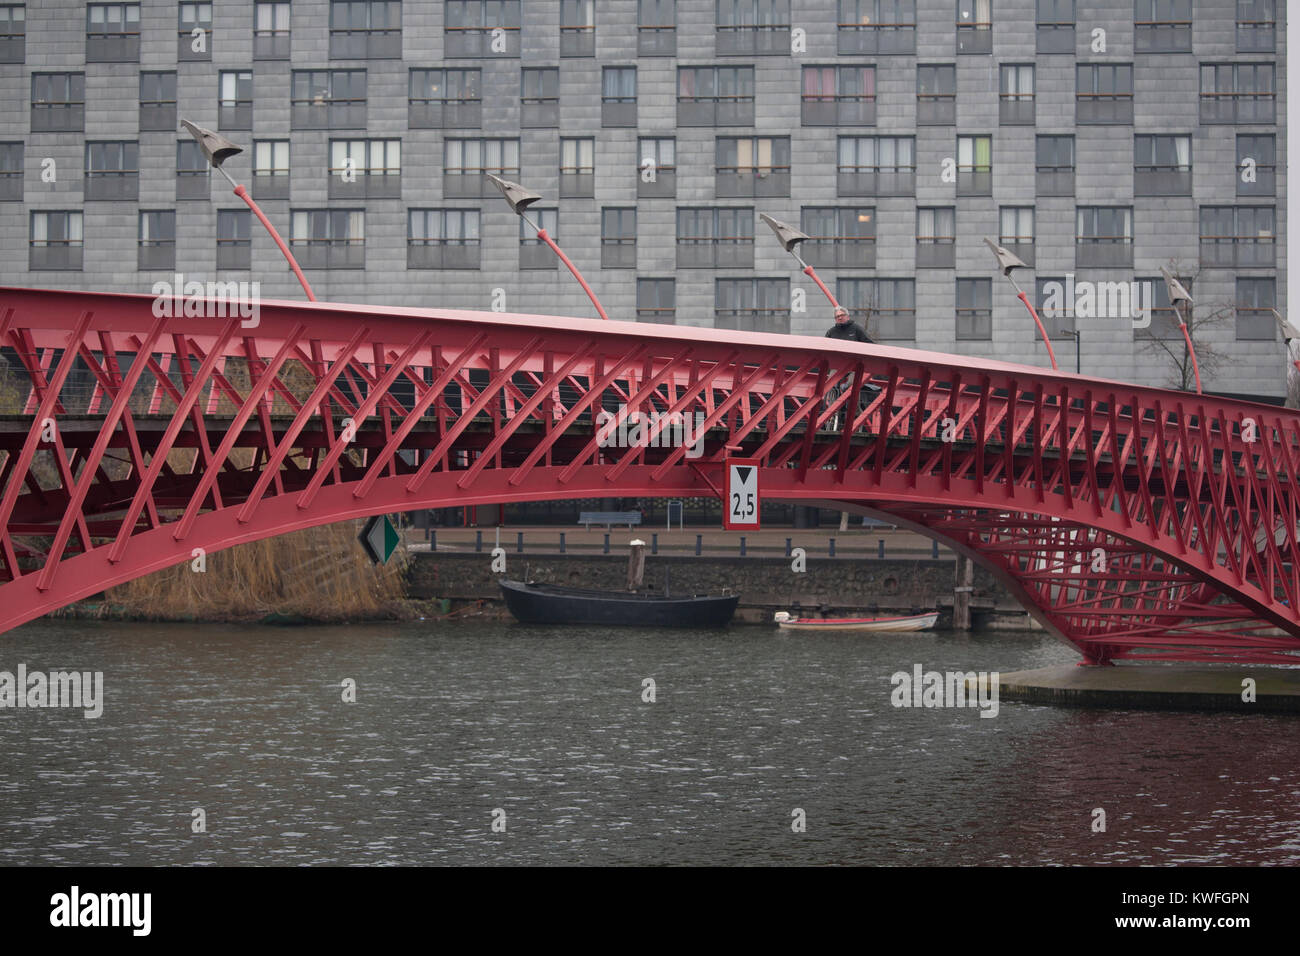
{"x": 849, "y": 330}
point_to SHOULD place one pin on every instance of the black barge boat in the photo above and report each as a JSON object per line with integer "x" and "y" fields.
{"x": 535, "y": 603}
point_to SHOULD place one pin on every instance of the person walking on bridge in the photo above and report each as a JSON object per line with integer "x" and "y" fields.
{"x": 846, "y": 328}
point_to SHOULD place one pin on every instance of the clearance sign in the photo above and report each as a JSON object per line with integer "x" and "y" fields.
{"x": 740, "y": 505}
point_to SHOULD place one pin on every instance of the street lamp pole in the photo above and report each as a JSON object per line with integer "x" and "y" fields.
{"x": 520, "y": 199}
{"x": 1178, "y": 294}
{"x": 790, "y": 237}
{"x": 1008, "y": 261}
{"x": 218, "y": 149}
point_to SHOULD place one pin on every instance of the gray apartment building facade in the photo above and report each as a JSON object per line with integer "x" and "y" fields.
{"x": 1098, "y": 140}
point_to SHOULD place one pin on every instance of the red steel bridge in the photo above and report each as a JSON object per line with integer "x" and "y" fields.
{"x": 1134, "y": 523}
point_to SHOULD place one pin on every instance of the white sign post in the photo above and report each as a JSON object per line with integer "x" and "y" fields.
{"x": 741, "y": 502}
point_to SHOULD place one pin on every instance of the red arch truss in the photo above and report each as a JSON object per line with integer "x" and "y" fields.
{"x": 1135, "y": 523}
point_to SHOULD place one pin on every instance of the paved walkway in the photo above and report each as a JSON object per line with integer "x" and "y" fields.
{"x": 714, "y": 542}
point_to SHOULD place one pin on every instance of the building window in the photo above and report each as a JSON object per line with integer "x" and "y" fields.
{"x": 235, "y": 101}
{"x": 752, "y": 305}
{"x": 1103, "y": 236}
{"x": 234, "y": 239}
{"x": 481, "y": 28}
{"x": 194, "y": 31}
{"x": 1162, "y": 165}
{"x": 466, "y": 160}
{"x": 157, "y": 243}
{"x": 752, "y": 166}
{"x": 577, "y": 168}
{"x": 1238, "y": 236}
{"x": 618, "y": 96}
{"x": 329, "y": 99}
{"x": 839, "y": 237}
{"x": 443, "y": 239}
{"x": 445, "y": 99}
{"x": 365, "y": 169}
{"x": 618, "y": 238}
{"x": 974, "y": 165}
{"x": 193, "y": 172}
{"x": 112, "y": 33}
{"x": 365, "y": 29}
{"x": 877, "y": 26}
{"x": 1016, "y": 231}
{"x": 936, "y": 94}
{"x": 270, "y": 30}
{"x": 974, "y": 310}
{"x": 1256, "y": 164}
{"x": 1162, "y": 26}
{"x": 657, "y": 168}
{"x": 271, "y": 168}
{"x": 1238, "y": 93}
{"x": 1104, "y": 94}
{"x": 539, "y": 97}
{"x": 13, "y": 33}
{"x": 55, "y": 241}
{"x": 58, "y": 102}
{"x": 1256, "y": 26}
{"x": 753, "y": 27}
{"x": 1256, "y": 299}
{"x": 11, "y": 172}
{"x": 112, "y": 170}
{"x": 839, "y": 96}
{"x": 876, "y": 166}
{"x": 974, "y": 26}
{"x": 709, "y": 238}
{"x": 158, "y": 101}
{"x": 577, "y": 28}
{"x": 1055, "y": 308}
{"x": 656, "y": 300}
{"x": 1055, "y": 26}
{"x": 656, "y": 27}
{"x": 1054, "y": 165}
{"x": 329, "y": 238}
{"x": 715, "y": 96}
{"x": 886, "y": 308}
{"x": 936, "y": 237}
{"x": 1016, "y": 96}
{"x": 533, "y": 252}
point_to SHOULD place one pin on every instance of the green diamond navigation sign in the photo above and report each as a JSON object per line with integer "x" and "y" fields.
{"x": 379, "y": 538}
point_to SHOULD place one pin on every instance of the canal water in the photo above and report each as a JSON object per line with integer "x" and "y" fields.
{"x": 548, "y": 733}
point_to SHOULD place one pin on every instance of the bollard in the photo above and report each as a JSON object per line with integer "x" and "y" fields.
{"x": 880, "y": 548}
{"x": 478, "y": 540}
{"x": 654, "y": 544}
{"x": 699, "y": 544}
{"x": 742, "y": 545}
{"x": 433, "y": 541}
{"x": 607, "y": 543}
{"x": 787, "y": 547}
{"x": 934, "y": 549}
{"x": 831, "y": 551}
{"x": 561, "y": 542}
{"x": 519, "y": 543}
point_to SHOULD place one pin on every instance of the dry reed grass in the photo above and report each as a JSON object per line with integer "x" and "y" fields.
{"x": 318, "y": 574}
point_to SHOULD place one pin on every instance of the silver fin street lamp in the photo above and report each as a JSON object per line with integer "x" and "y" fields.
{"x": 217, "y": 149}
{"x": 1008, "y": 261}
{"x": 520, "y": 199}
{"x": 1178, "y": 295}
{"x": 790, "y": 237}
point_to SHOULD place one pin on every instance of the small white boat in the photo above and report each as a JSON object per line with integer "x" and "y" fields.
{"x": 912, "y": 622}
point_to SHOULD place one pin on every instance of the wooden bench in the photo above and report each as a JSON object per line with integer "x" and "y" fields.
{"x": 607, "y": 518}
